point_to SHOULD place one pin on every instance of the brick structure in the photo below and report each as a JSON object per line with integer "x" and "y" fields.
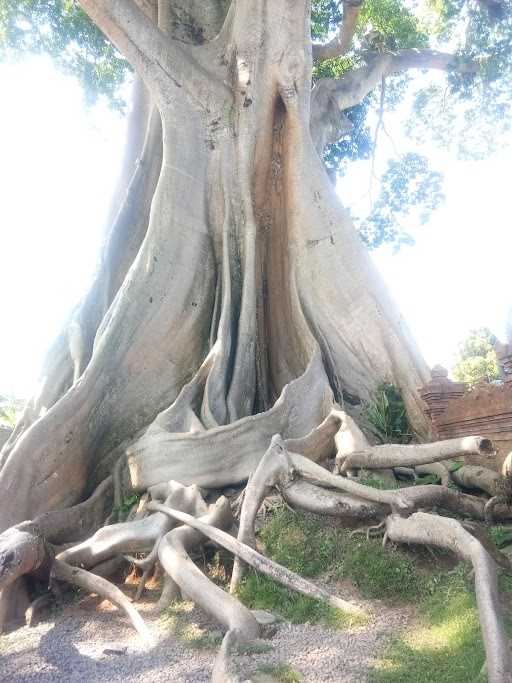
{"x": 439, "y": 393}
{"x": 485, "y": 410}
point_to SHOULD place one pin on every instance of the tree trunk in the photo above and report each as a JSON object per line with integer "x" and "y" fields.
{"x": 241, "y": 301}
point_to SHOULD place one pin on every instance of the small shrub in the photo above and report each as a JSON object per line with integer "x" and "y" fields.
{"x": 127, "y": 504}
{"x": 387, "y": 415}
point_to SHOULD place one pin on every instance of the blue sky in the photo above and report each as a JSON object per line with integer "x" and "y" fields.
{"x": 58, "y": 166}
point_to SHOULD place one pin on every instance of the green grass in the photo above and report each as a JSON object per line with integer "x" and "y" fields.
{"x": 260, "y": 592}
{"x": 174, "y": 618}
{"x": 501, "y": 535}
{"x": 280, "y": 672}
{"x": 305, "y": 545}
{"x": 445, "y": 645}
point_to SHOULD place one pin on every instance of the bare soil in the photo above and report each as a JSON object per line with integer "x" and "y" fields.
{"x": 89, "y": 640}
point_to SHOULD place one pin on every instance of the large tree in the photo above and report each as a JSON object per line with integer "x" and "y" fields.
{"x": 235, "y": 301}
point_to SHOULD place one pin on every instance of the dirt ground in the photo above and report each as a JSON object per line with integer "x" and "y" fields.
{"x": 89, "y": 640}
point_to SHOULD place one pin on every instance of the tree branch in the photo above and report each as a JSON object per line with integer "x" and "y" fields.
{"x": 160, "y": 61}
{"x": 331, "y": 96}
{"x": 341, "y": 43}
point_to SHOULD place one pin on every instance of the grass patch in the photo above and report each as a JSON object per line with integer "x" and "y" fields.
{"x": 300, "y": 543}
{"x": 261, "y": 592}
{"x": 283, "y": 673}
{"x": 174, "y": 618}
{"x": 501, "y": 535}
{"x": 445, "y": 646}
{"x": 308, "y": 547}
{"x": 379, "y": 573}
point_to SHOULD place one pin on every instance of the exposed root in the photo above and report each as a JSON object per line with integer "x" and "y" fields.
{"x": 447, "y": 533}
{"x": 373, "y": 531}
{"x": 139, "y": 535}
{"x": 438, "y": 469}
{"x": 302, "y": 495}
{"x": 492, "y": 505}
{"x": 147, "y": 565}
{"x": 170, "y": 593}
{"x": 273, "y": 469}
{"x": 22, "y": 550}
{"x": 476, "y": 477}
{"x": 392, "y": 455}
{"x": 95, "y": 584}
{"x": 225, "y": 669}
{"x": 142, "y": 582}
{"x": 80, "y": 521}
{"x": 259, "y": 562}
{"x": 175, "y": 559}
{"x": 37, "y": 606}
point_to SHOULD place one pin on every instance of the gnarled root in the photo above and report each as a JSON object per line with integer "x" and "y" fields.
{"x": 174, "y": 557}
{"x": 447, "y": 533}
{"x": 95, "y": 584}
{"x": 260, "y": 562}
{"x": 22, "y": 550}
{"x": 476, "y": 477}
{"x": 138, "y": 535}
{"x": 273, "y": 469}
{"x": 279, "y": 468}
{"x": 302, "y": 495}
{"x": 392, "y": 455}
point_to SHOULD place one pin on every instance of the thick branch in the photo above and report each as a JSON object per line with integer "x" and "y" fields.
{"x": 160, "y": 62}
{"x": 343, "y": 39}
{"x": 331, "y": 96}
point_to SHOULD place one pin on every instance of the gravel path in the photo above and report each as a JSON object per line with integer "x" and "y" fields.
{"x": 90, "y": 641}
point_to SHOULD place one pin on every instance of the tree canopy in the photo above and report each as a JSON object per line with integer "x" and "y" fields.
{"x": 467, "y": 112}
{"x": 476, "y": 358}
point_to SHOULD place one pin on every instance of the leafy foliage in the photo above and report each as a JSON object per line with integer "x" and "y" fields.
{"x": 60, "y": 29}
{"x": 387, "y": 415}
{"x": 10, "y": 410}
{"x": 123, "y": 510}
{"x": 476, "y": 358}
{"x": 325, "y": 17}
{"x": 408, "y": 182}
{"x": 395, "y": 22}
{"x": 357, "y": 145}
{"x": 469, "y": 113}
